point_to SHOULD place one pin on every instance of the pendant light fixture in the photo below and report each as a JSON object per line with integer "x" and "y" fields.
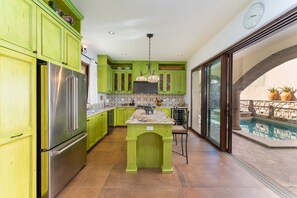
{"x": 153, "y": 78}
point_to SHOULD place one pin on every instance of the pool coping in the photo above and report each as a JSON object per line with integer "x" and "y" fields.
{"x": 266, "y": 142}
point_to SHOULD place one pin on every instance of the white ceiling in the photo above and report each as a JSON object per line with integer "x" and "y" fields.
{"x": 179, "y": 26}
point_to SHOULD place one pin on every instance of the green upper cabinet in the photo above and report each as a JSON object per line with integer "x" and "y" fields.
{"x": 172, "y": 78}
{"x": 18, "y": 25}
{"x": 142, "y": 66}
{"x": 179, "y": 82}
{"x": 104, "y": 79}
{"x": 165, "y": 82}
{"x": 122, "y": 82}
{"x": 55, "y": 43}
{"x": 72, "y": 51}
{"x": 50, "y": 38}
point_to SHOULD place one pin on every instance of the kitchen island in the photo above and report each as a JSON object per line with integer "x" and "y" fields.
{"x": 149, "y": 141}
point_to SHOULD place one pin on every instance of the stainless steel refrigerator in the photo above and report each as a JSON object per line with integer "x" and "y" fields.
{"x": 61, "y": 127}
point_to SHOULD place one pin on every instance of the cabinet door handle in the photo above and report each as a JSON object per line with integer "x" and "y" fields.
{"x": 88, "y": 120}
{"x": 18, "y": 135}
{"x": 35, "y": 52}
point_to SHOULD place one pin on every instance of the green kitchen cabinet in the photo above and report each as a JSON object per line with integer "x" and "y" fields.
{"x": 96, "y": 128}
{"x": 72, "y": 51}
{"x": 18, "y": 25}
{"x": 90, "y": 131}
{"x": 55, "y": 43}
{"x": 18, "y": 124}
{"x": 122, "y": 82}
{"x": 166, "y": 110}
{"x": 142, "y": 66}
{"x": 165, "y": 82}
{"x": 104, "y": 79}
{"x": 103, "y": 124}
{"x": 179, "y": 82}
{"x": 123, "y": 114}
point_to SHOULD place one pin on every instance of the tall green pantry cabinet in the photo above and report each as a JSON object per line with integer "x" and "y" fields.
{"x": 17, "y": 124}
{"x": 29, "y": 29}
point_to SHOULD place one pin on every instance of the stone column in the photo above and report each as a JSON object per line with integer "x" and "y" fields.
{"x": 236, "y": 109}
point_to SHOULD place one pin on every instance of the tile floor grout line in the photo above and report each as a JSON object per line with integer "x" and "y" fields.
{"x": 279, "y": 190}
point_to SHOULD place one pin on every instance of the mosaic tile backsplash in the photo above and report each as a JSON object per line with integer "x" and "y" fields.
{"x": 144, "y": 99}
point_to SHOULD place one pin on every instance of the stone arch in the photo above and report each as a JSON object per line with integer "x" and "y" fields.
{"x": 253, "y": 74}
{"x": 264, "y": 66}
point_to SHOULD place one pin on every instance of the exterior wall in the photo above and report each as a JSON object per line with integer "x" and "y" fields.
{"x": 234, "y": 32}
{"x": 285, "y": 74}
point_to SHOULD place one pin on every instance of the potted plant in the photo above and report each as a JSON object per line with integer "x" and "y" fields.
{"x": 286, "y": 93}
{"x": 272, "y": 93}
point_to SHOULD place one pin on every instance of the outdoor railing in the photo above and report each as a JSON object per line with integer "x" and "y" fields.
{"x": 274, "y": 109}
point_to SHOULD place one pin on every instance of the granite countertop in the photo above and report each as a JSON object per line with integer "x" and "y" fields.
{"x": 92, "y": 112}
{"x": 158, "y": 117}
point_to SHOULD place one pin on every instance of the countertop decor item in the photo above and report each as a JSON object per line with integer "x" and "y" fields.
{"x": 152, "y": 78}
{"x": 159, "y": 101}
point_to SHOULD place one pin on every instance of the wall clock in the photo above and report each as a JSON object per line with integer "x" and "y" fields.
{"x": 253, "y": 16}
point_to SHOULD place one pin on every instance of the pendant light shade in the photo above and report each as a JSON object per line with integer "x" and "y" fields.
{"x": 153, "y": 78}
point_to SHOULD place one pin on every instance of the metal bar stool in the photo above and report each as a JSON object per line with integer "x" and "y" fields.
{"x": 182, "y": 130}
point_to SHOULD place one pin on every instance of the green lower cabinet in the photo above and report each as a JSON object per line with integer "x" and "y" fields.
{"x": 96, "y": 128}
{"x": 90, "y": 131}
{"x": 123, "y": 114}
{"x": 167, "y": 111}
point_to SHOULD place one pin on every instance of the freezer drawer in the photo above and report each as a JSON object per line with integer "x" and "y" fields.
{"x": 60, "y": 164}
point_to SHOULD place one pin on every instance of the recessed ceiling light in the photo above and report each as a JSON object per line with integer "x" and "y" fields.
{"x": 124, "y": 53}
{"x": 179, "y": 55}
{"x": 111, "y": 32}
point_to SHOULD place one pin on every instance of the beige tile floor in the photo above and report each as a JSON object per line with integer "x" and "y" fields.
{"x": 277, "y": 164}
{"x": 208, "y": 174}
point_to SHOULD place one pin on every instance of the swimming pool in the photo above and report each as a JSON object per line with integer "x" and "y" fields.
{"x": 273, "y": 130}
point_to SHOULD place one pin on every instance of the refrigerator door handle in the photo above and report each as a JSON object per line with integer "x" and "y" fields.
{"x": 72, "y": 103}
{"x": 75, "y": 103}
{"x": 54, "y": 153}
{"x": 69, "y": 105}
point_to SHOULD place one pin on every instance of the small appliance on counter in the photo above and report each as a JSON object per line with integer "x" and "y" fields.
{"x": 61, "y": 126}
{"x": 147, "y": 108}
{"x": 106, "y": 103}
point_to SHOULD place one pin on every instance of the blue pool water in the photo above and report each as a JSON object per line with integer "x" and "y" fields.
{"x": 269, "y": 130}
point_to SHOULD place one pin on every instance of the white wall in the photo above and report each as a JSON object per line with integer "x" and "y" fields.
{"x": 234, "y": 32}
{"x": 93, "y": 96}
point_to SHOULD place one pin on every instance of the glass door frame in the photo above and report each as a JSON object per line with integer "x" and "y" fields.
{"x": 225, "y": 102}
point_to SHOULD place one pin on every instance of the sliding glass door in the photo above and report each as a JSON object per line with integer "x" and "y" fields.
{"x": 196, "y": 100}
{"x": 210, "y": 101}
{"x": 213, "y": 95}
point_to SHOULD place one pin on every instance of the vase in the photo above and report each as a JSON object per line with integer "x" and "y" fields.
{"x": 272, "y": 96}
{"x": 286, "y": 96}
